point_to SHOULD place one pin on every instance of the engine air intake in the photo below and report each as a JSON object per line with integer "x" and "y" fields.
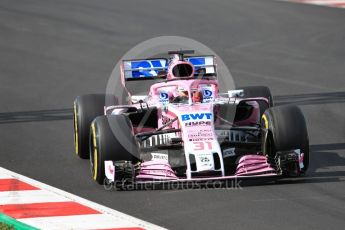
{"x": 182, "y": 70}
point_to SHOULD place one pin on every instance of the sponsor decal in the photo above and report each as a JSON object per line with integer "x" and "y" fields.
{"x": 202, "y": 62}
{"x": 159, "y": 156}
{"x": 230, "y": 152}
{"x": 196, "y": 116}
{"x": 201, "y": 139}
{"x": 207, "y": 95}
{"x": 151, "y": 67}
{"x": 191, "y": 135}
{"x": 165, "y": 120}
{"x": 197, "y": 123}
{"x": 223, "y": 133}
{"x": 146, "y": 68}
{"x": 206, "y": 161}
{"x": 204, "y": 135}
{"x": 163, "y": 97}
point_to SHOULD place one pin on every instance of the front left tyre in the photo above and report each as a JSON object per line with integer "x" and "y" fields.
{"x": 111, "y": 138}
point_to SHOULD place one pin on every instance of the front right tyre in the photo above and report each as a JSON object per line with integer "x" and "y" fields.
{"x": 285, "y": 129}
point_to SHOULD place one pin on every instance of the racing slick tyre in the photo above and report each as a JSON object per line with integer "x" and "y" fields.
{"x": 85, "y": 109}
{"x": 259, "y": 91}
{"x": 286, "y": 130}
{"x": 111, "y": 138}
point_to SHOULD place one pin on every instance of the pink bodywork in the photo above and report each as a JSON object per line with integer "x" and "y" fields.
{"x": 253, "y": 165}
{"x": 156, "y": 170}
{"x": 249, "y": 165}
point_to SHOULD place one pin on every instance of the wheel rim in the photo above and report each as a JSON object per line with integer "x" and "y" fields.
{"x": 75, "y": 124}
{"x": 93, "y": 152}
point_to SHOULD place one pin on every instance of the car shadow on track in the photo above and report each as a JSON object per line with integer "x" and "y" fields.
{"x": 38, "y": 115}
{"x": 327, "y": 165}
{"x": 310, "y": 99}
{"x": 327, "y": 160}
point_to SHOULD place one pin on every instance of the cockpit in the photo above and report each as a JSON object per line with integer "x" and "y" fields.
{"x": 178, "y": 80}
{"x": 186, "y": 92}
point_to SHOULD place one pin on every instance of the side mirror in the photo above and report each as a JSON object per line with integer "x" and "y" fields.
{"x": 138, "y": 98}
{"x": 236, "y": 93}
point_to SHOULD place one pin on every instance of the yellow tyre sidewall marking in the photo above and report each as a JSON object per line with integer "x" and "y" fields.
{"x": 95, "y": 154}
{"x": 76, "y": 128}
{"x": 265, "y": 120}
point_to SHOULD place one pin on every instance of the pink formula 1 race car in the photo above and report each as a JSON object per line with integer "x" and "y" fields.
{"x": 184, "y": 129}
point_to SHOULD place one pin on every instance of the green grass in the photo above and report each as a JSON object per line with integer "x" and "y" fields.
{"x": 9, "y": 223}
{"x": 4, "y": 226}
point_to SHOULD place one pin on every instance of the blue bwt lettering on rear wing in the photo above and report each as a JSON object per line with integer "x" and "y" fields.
{"x": 143, "y": 69}
{"x": 150, "y": 68}
{"x": 203, "y": 62}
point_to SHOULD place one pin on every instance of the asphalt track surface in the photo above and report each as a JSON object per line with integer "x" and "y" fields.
{"x": 52, "y": 51}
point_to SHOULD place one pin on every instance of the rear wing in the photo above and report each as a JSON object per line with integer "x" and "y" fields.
{"x": 145, "y": 69}
{"x": 204, "y": 65}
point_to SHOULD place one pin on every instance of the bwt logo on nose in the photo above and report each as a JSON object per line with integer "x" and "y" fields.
{"x": 196, "y": 116}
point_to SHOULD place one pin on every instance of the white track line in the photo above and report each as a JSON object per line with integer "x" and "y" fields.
{"x": 5, "y": 176}
{"x": 93, "y": 221}
{"x": 31, "y": 196}
{"x": 322, "y": 2}
{"x": 330, "y": 3}
{"x": 116, "y": 216}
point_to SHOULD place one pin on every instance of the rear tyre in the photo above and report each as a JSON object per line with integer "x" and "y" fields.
{"x": 286, "y": 130}
{"x": 86, "y": 108}
{"x": 259, "y": 91}
{"x": 111, "y": 138}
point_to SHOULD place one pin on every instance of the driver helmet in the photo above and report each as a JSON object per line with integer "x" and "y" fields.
{"x": 197, "y": 97}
